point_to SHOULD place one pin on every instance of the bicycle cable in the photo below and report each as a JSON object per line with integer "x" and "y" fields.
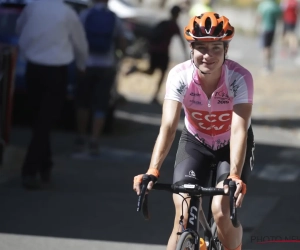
{"x": 187, "y": 205}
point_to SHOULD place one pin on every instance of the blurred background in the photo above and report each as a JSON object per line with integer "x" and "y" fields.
{"x": 90, "y": 203}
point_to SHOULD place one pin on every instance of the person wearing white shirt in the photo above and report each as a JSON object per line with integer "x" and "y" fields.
{"x": 51, "y": 37}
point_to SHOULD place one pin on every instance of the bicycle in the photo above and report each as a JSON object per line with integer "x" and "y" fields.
{"x": 190, "y": 236}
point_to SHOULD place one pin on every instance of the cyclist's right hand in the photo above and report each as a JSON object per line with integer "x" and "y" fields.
{"x": 148, "y": 179}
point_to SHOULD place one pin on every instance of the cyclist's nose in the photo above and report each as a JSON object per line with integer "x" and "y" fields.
{"x": 207, "y": 54}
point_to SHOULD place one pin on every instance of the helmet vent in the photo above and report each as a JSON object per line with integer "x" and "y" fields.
{"x": 197, "y": 29}
{"x": 218, "y": 29}
{"x": 229, "y": 32}
{"x": 207, "y": 25}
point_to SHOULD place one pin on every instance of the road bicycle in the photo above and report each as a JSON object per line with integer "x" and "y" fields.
{"x": 190, "y": 235}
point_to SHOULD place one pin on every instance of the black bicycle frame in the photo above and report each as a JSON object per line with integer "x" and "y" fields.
{"x": 196, "y": 216}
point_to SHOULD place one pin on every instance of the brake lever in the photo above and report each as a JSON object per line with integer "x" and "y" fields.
{"x": 232, "y": 201}
{"x": 145, "y": 208}
{"x": 141, "y": 197}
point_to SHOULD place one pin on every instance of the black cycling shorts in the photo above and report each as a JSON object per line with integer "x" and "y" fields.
{"x": 268, "y": 37}
{"x": 194, "y": 160}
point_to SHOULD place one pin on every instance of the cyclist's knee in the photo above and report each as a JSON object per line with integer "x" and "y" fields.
{"x": 220, "y": 209}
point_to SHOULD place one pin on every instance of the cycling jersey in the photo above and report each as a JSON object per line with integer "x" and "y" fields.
{"x": 209, "y": 120}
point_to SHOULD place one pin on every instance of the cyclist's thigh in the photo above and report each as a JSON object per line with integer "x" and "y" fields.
{"x": 249, "y": 158}
{"x": 223, "y": 158}
{"x": 193, "y": 161}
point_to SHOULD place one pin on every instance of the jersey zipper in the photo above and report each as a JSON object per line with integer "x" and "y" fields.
{"x": 209, "y": 110}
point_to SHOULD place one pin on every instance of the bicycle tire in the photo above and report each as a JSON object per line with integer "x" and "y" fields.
{"x": 215, "y": 237}
{"x": 186, "y": 242}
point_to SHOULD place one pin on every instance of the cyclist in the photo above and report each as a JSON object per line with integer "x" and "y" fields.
{"x": 216, "y": 95}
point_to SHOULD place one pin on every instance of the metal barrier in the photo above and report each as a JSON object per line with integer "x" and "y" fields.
{"x": 8, "y": 56}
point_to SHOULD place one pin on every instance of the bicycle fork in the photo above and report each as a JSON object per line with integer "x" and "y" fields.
{"x": 193, "y": 219}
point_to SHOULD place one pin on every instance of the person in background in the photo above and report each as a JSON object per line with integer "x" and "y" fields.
{"x": 51, "y": 37}
{"x": 159, "y": 44}
{"x": 290, "y": 11}
{"x": 268, "y": 13}
{"x": 105, "y": 34}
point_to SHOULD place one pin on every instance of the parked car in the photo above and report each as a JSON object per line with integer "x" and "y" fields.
{"x": 9, "y": 12}
{"x": 137, "y": 25}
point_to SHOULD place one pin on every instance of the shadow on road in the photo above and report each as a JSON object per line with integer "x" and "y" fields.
{"x": 93, "y": 199}
{"x": 282, "y": 123}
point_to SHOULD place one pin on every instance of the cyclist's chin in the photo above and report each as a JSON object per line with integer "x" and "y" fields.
{"x": 205, "y": 70}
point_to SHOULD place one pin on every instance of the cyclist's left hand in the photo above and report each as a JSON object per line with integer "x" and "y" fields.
{"x": 137, "y": 181}
{"x": 241, "y": 189}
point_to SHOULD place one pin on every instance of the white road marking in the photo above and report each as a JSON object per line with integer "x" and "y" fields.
{"x": 24, "y": 242}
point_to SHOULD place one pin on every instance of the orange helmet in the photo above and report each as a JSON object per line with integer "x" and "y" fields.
{"x": 209, "y": 26}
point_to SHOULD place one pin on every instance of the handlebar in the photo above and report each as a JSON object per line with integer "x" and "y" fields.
{"x": 192, "y": 190}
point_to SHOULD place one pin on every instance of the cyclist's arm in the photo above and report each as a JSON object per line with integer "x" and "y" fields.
{"x": 167, "y": 132}
{"x": 238, "y": 140}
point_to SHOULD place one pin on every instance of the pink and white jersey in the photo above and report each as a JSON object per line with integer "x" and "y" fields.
{"x": 209, "y": 120}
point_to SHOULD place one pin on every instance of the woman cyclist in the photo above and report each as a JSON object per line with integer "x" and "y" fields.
{"x": 216, "y": 95}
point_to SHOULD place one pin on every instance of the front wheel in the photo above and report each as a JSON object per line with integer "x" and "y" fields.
{"x": 186, "y": 242}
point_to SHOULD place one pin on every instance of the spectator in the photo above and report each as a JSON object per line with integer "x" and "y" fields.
{"x": 268, "y": 14}
{"x": 290, "y": 9}
{"x": 159, "y": 43}
{"x": 51, "y": 37}
{"x": 105, "y": 34}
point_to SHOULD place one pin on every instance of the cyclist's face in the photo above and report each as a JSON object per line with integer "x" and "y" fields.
{"x": 209, "y": 56}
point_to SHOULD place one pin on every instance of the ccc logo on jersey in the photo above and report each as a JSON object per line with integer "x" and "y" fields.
{"x": 213, "y": 123}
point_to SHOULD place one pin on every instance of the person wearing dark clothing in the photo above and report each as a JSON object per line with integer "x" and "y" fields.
{"x": 159, "y": 43}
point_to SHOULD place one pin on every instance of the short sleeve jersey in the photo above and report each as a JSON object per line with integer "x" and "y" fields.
{"x": 209, "y": 120}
